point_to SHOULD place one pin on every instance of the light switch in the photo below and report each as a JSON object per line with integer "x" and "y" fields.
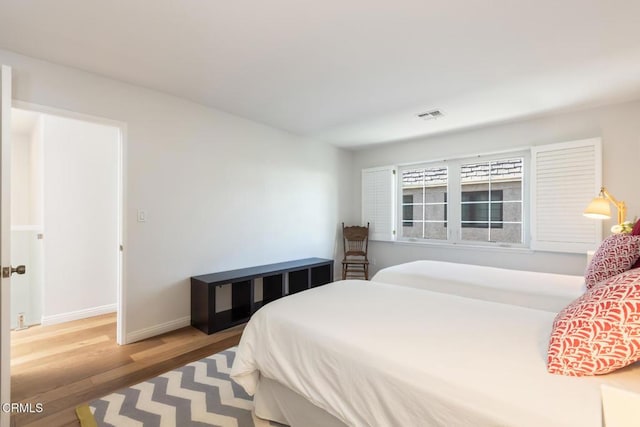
{"x": 142, "y": 215}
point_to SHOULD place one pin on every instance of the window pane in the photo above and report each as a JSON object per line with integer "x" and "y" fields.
{"x": 475, "y": 234}
{"x": 491, "y": 195}
{"x": 425, "y": 230}
{"x": 511, "y": 191}
{"x": 423, "y": 202}
{"x": 506, "y": 170}
{"x": 475, "y": 208}
{"x": 474, "y": 172}
{"x": 434, "y": 212}
{"x": 435, "y": 194}
{"x": 469, "y": 196}
{"x": 509, "y": 233}
{"x": 497, "y": 211}
{"x": 414, "y": 231}
{"x": 407, "y": 210}
{"x": 435, "y": 230}
{"x": 412, "y": 177}
{"x": 512, "y": 211}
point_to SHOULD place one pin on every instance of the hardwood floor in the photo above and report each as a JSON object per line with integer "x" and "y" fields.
{"x": 65, "y": 365}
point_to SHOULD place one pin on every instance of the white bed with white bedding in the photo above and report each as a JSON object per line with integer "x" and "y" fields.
{"x": 376, "y": 354}
{"x": 543, "y": 291}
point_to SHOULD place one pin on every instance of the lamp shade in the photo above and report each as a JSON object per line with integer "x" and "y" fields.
{"x": 599, "y": 208}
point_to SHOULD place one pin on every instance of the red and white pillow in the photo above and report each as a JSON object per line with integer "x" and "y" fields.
{"x": 600, "y": 331}
{"x": 615, "y": 255}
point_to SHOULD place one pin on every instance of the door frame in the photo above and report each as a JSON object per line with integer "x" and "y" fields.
{"x": 5, "y": 243}
{"x": 121, "y": 335}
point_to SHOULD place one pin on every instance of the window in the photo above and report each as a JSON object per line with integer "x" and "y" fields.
{"x": 491, "y": 200}
{"x": 464, "y": 201}
{"x": 533, "y": 197}
{"x": 424, "y": 202}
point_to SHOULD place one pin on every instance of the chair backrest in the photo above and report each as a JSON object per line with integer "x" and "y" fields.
{"x": 356, "y": 240}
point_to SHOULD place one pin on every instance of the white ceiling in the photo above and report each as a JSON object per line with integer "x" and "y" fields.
{"x": 350, "y": 72}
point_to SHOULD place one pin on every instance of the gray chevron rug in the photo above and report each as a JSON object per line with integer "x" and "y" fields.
{"x": 195, "y": 395}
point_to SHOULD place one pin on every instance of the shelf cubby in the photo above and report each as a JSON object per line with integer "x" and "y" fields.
{"x": 272, "y": 288}
{"x": 298, "y": 281}
{"x": 320, "y": 275}
{"x": 300, "y": 274}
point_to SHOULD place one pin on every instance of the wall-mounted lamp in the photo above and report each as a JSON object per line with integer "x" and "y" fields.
{"x": 599, "y": 207}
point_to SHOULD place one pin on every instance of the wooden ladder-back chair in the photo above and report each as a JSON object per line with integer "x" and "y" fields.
{"x": 355, "y": 264}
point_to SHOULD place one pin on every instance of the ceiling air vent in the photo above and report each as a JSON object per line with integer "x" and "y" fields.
{"x": 433, "y": 114}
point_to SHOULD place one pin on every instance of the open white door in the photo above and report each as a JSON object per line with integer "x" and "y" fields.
{"x": 5, "y": 243}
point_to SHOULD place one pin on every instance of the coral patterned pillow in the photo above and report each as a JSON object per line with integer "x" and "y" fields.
{"x": 600, "y": 331}
{"x": 615, "y": 255}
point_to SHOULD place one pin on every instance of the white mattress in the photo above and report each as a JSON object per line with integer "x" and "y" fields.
{"x": 543, "y": 291}
{"x": 374, "y": 354}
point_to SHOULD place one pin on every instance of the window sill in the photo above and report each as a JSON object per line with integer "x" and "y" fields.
{"x": 464, "y": 246}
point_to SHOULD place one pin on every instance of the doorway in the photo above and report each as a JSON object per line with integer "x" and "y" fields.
{"x": 66, "y": 210}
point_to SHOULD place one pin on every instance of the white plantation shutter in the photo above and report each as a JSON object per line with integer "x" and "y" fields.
{"x": 378, "y": 196}
{"x": 565, "y": 177}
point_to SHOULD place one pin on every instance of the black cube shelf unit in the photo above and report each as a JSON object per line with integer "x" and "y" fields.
{"x": 301, "y": 274}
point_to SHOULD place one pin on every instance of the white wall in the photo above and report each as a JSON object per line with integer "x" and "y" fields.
{"x": 20, "y": 179}
{"x": 35, "y": 270}
{"x": 220, "y": 191}
{"x": 36, "y": 179}
{"x": 20, "y": 239}
{"x": 80, "y": 174}
{"x": 618, "y": 125}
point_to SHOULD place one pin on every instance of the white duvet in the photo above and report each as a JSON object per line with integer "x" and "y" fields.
{"x": 543, "y": 291}
{"x": 375, "y": 354}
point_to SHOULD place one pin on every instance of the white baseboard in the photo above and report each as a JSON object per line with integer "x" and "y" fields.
{"x": 79, "y": 314}
{"x": 162, "y": 328}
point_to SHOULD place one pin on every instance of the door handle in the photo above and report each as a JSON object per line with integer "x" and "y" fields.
{"x": 8, "y": 271}
{"x": 21, "y": 269}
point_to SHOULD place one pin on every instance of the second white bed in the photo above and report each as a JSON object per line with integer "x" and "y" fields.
{"x": 542, "y": 291}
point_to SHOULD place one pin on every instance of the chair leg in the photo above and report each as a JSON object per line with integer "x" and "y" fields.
{"x": 360, "y": 271}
